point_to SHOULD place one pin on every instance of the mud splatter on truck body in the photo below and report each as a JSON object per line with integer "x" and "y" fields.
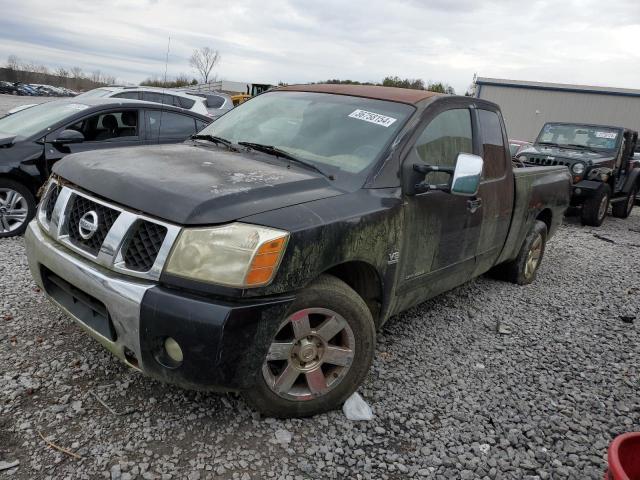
{"x": 336, "y": 217}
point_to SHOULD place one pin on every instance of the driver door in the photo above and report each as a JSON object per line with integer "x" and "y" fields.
{"x": 110, "y": 129}
{"x": 439, "y": 243}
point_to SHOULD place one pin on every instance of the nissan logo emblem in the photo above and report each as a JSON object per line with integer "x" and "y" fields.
{"x": 88, "y": 225}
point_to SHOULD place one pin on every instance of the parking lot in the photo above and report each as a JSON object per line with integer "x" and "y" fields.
{"x": 7, "y": 102}
{"x": 490, "y": 380}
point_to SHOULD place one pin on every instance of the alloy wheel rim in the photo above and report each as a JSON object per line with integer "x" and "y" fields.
{"x": 310, "y": 355}
{"x": 602, "y": 210}
{"x": 533, "y": 257}
{"x": 13, "y": 210}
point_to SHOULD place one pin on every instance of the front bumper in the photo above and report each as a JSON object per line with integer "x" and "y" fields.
{"x": 223, "y": 342}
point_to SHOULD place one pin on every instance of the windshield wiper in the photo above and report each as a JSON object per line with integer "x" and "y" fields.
{"x": 548, "y": 143}
{"x": 215, "y": 139}
{"x": 575, "y": 145}
{"x": 277, "y": 152}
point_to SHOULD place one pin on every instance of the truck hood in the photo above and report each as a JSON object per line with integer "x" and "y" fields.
{"x": 190, "y": 185}
{"x": 563, "y": 156}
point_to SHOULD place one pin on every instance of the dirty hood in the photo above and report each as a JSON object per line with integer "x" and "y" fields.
{"x": 549, "y": 153}
{"x": 190, "y": 185}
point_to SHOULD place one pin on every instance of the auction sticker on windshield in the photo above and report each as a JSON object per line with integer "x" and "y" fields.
{"x": 373, "y": 118}
{"x": 610, "y": 135}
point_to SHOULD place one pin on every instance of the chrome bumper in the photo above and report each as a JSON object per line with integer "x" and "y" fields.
{"x": 121, "y": 296}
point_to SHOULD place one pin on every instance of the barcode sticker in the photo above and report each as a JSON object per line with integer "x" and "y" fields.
{"x": 371, "y": 117}
{"x": 611, "y": 135}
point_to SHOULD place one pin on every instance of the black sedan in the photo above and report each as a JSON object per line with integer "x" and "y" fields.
{"x": 32, "y": 140}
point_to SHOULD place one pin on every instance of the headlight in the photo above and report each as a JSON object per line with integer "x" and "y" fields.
{"x": 522, "y": 158}
{"x": 578, "y": 168}
{"x": 236, "y": 255}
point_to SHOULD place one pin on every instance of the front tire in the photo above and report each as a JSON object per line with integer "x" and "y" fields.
{"x": 623, "y": 209}
{"x": 17, "y": 208}
{"x": 320, "y": 355}
{"x": 595, "y": 208}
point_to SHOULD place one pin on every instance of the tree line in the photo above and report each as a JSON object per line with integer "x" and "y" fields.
{"x": 395, "y": 81}
{"x": 18, "y": 70}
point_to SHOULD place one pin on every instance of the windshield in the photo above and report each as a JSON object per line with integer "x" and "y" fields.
{"x": 95, "y": 93}
{"x": 579, "y": 136}
{"x": 32, "y": 120}
{"x": 346, "y": 134}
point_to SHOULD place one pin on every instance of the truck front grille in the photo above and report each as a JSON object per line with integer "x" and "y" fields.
{"x": 547, "y": 161}
{"x": 51, "y": 200}
{"x": 143, "y": 246}
{"x": 106, "y": 218}
{"x": 124, "y": 241}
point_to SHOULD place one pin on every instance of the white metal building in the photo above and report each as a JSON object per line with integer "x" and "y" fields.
{"x": 526, "y": 106}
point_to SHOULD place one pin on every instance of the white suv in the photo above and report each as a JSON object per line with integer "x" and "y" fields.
{"x": 198, "y": 103}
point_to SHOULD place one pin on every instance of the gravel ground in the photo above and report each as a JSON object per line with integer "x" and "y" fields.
{"x": 7, "y": 102}
{"x": 452, "y": 397}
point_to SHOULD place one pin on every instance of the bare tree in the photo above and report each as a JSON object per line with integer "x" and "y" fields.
{"x": 13, "y": 63}
{"x": 76, "y": 72}
{"x": 61, "y": 72}
{"x": 41, "y": 69}
{"x": 203, "y": 60}
{"x": 96, "y": 76}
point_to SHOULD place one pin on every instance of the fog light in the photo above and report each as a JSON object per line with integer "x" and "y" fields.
{"x": 578, "y": 191}
{"x": 174, "y": 352}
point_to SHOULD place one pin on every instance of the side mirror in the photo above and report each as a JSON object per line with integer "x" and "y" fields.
{"x": 69, "y": 136}
{"x": 467, "y": 174}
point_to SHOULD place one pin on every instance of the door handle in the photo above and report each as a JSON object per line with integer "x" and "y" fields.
{"x": 474, "y": 205}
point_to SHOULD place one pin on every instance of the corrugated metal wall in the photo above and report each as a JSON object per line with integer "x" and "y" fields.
{"x": 526, "y": 110}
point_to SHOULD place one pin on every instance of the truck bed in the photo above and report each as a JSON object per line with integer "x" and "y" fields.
{"x": 539, "y": 193}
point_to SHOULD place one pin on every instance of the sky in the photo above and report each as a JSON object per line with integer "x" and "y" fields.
{"x": 591, "y": 42}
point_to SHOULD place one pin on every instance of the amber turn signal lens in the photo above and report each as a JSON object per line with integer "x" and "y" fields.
{"x": 272, "y": 246}
{"x": 265, "y": 262}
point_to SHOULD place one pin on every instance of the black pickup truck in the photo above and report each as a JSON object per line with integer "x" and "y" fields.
{"x": 602, "y": 162}
{"x": 262, "y": 255}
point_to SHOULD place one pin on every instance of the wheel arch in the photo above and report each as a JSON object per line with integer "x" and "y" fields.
{"x": 546, "y": 216}
{"x": 365, "y": 280}
{"x": 22, "y": 179}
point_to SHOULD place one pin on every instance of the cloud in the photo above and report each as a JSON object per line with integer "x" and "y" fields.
{"x": 575, "y": 41}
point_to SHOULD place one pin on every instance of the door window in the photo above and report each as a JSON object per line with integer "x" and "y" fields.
{"x": 215, "y": 101}
{"x": 108, "y": 126}
{"x": 493, "y": 151}
{"x": 169, "y": 124}
{"x": 443, "y": 139}
{"x": 156, "y": 97}
{"x": 129, "y": 95}
{"x": 184, "y": 102}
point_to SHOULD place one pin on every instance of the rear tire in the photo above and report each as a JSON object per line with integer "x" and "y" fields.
{"x": 17, "y": 208}
{"x": 303, "y": 377}
{"x": 623, "y": 209}
{"x": 523, "y": 269}
{"x": 595, "y": 208}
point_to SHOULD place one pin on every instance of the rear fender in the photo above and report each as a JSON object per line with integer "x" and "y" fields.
{"x": 632, "y": 179}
